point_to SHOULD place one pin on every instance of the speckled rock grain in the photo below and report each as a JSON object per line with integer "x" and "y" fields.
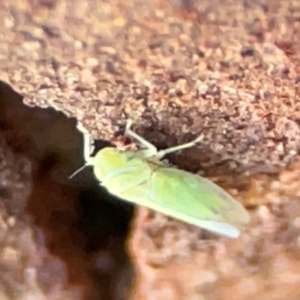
{"x": 227, "y": 69}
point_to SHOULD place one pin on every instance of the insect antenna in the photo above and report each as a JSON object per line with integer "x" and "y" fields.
{"x": 77, "y": 171}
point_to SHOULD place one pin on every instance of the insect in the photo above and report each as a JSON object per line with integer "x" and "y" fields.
{"x": 142, "y": 178}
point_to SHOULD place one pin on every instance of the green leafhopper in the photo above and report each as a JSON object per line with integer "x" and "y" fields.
{"x": 142, "y": 178}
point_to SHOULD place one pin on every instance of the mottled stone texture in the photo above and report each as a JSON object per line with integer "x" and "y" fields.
{"x": 226, "y": 69}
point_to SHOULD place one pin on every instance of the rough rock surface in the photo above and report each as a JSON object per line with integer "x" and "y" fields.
{"x": 227, "y": 69}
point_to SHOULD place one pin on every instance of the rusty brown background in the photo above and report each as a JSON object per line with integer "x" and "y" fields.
{"x": 227, "y": 69}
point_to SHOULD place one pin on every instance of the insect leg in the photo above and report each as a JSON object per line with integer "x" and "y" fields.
{"x": 151, "y": 149}
{"x": 160, "y": 154}
{"x": 87, "y": 149}
{"x": 88, "y": 146}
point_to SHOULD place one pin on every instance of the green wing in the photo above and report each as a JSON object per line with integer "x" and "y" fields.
{"x": 196, "y": 200}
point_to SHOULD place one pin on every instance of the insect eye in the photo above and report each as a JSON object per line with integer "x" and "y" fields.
{"x": 130, "y": 157}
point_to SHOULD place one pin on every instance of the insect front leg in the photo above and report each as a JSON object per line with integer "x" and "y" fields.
{"x": 150, "y": 150}
{"x": 88, "y": 148}
{"x": 160, "y": 154}
{"x": 88, "y": 143}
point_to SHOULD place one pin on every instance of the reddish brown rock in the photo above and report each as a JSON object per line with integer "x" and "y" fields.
{"x": 229, "y": 70}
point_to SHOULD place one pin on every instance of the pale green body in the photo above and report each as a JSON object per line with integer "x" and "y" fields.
{"x": 141, "y": 178}
{"x": 174, "y": 192}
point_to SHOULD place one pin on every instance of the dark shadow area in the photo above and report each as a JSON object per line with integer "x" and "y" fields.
{"x": 80, "y": 223}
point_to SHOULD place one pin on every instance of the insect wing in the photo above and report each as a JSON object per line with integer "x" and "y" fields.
{"x": 196, "y": 200}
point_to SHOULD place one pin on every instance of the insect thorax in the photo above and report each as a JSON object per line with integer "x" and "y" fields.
{"x": 110, "y": 160}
